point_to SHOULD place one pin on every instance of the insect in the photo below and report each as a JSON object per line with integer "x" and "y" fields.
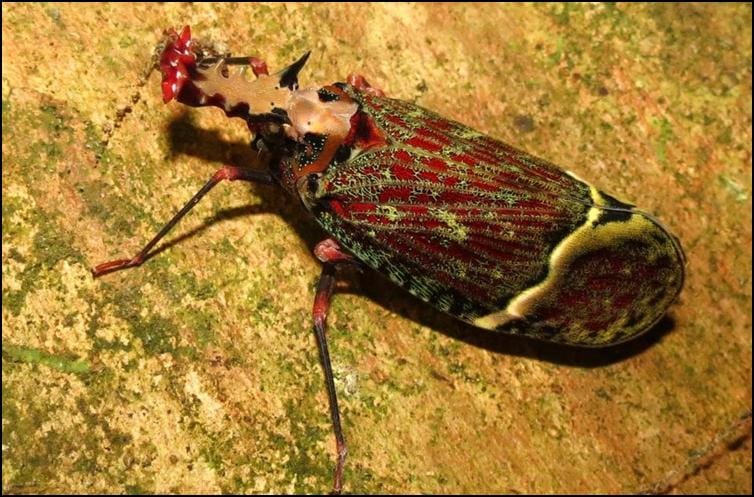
{"x": 478, "y": 229}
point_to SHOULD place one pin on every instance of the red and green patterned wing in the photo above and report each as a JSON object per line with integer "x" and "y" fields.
{"x": 493, "y": 235}
{"x": 462, "y": 221}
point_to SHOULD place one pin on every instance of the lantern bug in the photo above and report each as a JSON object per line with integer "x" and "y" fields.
{"x": 478, "y": 229}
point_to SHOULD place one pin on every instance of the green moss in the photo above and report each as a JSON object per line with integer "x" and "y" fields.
{"x": 185, "y": 284}
{"x": 214, "y": 454}
{"x": 36, "y": 158}
{"x": 95, "y": 142}
{"x": 292, "y": 49}
{"x": 306, "y": 460}
{"x": 28, "y": 408}
{"x": 202, "y": 324}
{"x": 13, "y": 300}
{"x": 99, "y": 344}
{"x": 734, "y": 188}
{"x": 36, "y": 356}
{"x": 563, "y": 49}
{"x": 51, "y": 246}
{"x": 665, "y": 133}
{"x": 361, "y": 480}
{"x": 44, "y": 154}
{"x": 111, "y": 63}
{"x": 126, "y": 41}
{"x": 377, "y": 407}
{"x": 263, "y": 309}
{"x": 7, "y": 108}
{"x": 53, "y": 120}
{"x": 225, "y": 248}
{"x": 136, "y": 490}
{"x": 460, "y": 370}
{"x": 54, "y": 14}
{"x": 561, "y": 13}
{"x": 120, "y": 214}
{"x": 157, "y": 334}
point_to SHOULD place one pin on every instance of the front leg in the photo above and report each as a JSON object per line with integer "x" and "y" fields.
{"x": 360, "y": 83}
{"x": 330, "y": 253}
{"x": 225, "y": 173}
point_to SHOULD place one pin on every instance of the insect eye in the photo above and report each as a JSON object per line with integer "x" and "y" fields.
{"x": 326, "y": 95}
{"x": 343, "y": 154}
{"x": 312, "y": 183}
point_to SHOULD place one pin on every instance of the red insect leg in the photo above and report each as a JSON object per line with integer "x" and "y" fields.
{"x": 329, "y": 252}
{"x": 229, "y": 173}
{"x": 360, "y": 83}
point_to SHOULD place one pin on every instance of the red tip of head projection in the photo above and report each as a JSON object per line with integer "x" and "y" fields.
{"x": 177, "y": 59}
{"x": 258, "y": 66}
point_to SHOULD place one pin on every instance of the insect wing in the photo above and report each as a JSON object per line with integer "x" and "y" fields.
{"x": 461, "y": 220}
{"x": 495, "y": 236}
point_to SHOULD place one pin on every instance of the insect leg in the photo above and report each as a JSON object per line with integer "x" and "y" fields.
{"x": 330, "y": 253}
{"x": 230, "y": 173}
{"x": 360, "y": 83}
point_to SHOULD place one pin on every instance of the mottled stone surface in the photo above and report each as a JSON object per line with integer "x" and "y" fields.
{"x": 198, "y": 372}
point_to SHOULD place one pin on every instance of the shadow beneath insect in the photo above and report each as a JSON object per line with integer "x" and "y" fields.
{"x": 187, "y": 139}
{"x": 399, "y": 301}
{"x": 224, "y": 215}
